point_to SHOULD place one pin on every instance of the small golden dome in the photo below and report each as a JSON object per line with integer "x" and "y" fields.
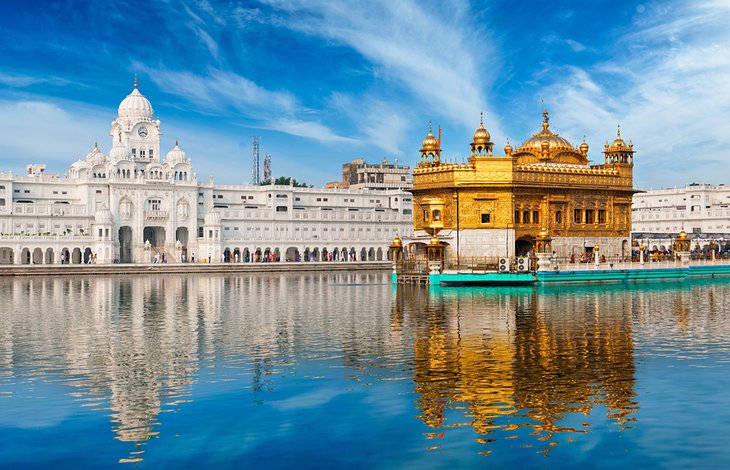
{"x": 543, "y": 234}
{"x": 508, "y": 149}
{"x": 584, "y": 147}
{"x": 481, "y": 135}
{"x": 619, "y": 143}
{"x": 682, "y": 235}
{"x": 435, "y": 240}
{"x": 397, "y": 241}
{"x": 430, "y": 144}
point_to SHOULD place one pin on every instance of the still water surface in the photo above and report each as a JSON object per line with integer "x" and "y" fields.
{"x": 345, "y": 370}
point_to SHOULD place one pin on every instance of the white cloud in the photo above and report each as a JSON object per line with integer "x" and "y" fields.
{"x": 434, "y": 51}
{"x": 222, "y": 92}
{"x": 37, "y": 131}
{"x": 667, "y": 87}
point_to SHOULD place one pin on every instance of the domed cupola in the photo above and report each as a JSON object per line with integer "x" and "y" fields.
{"x": 176, "y": 155}
{"x": 481, "y": 145}
{"x": 619, "y": 151}
{"x": 135, "y": 106}
{"x": 103, "y": 217}
{"x": 96, "y": 156}
{"x": 430, "y": 148}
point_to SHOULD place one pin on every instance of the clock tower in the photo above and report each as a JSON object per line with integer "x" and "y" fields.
{"x": 136, "y": 131}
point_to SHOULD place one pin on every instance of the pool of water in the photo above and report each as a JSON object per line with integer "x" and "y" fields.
{"x": 346, "y": 370}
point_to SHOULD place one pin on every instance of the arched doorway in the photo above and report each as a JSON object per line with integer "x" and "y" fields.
{"x": 125, "y": 244}
{"x": 155, "y": 235}
{"x": 523, "y": 246}
{"x": 76, "y": 256}
{"x": 227, "y": 255}
{"x": 292, "y": 254}
{"x": 625, "y": 248}
{"x": 87, "y": 255}
{"x": 37, "y": 256}
{"x": 371, "y": 254}
{"x": 379, "y": 254}
{"x": 25, "y": 256}
{"x": 49, "y": 256}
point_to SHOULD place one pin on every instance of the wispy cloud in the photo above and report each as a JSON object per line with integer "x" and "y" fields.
{"x": 667, "y": 86}
{"x": 223, "y": 92}
{"x": 38, "y": 131}
{"x": 437, "y": 56}
{"x": 21, "y": 81}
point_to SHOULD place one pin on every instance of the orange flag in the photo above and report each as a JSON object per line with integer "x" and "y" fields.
{"x": 439, "y": 141}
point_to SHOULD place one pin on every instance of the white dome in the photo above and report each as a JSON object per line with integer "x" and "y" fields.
{"x": 103, "y": 216}
{"x": 118, "y": 152}
{"x": 136, "y": 106}
{"x": 79, "y": 165}
{"x": 176, "y": 155}
{"x": 213, "y": 218}
{"x": 96, "y": 156}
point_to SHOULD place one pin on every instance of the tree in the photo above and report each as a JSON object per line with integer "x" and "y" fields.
{"x": 286, "y": 181}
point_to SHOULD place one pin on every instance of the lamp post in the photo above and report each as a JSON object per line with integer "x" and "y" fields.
{"x": 641, "y": 254}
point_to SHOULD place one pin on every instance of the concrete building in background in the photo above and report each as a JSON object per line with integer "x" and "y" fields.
{"x": 376, "y": 176}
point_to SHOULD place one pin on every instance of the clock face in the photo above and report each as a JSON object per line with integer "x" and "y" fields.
{"x": 142, "y": 132}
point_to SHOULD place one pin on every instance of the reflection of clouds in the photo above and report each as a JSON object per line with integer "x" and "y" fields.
{"x": 136, "y": 343}
{"x": 303, "y": 401}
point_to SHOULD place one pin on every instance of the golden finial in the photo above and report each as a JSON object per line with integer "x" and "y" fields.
{"x": 619, "y": 131}
{"x": 545, "y": 120}
{"x": 430, "y": 129}
{"x": 135, "y": 80}
{"x": 481, "y": 119}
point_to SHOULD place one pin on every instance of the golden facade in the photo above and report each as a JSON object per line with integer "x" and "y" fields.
{"x": 546, "y": 189}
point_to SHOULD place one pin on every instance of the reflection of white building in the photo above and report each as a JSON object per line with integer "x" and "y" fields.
{"x": 702, "y": 210}
{"x": 110, "y": 206}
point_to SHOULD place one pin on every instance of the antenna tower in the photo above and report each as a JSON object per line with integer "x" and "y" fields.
{"x": 255, "y": 176}
{"x": 267, "y": 167}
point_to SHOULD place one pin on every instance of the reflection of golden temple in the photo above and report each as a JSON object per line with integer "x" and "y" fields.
{"x": 496, "y": 206}
{"x": 521, "y": 361}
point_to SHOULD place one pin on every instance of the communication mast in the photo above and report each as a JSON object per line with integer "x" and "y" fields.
{"x": 267, "y": 167}
{"x": 255, "y": 176}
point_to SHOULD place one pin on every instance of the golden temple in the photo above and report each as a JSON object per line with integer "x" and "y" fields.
{"x": 543, "y": 196}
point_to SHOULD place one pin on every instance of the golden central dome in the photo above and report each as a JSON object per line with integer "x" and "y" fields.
{"x": 553, "y": 140}
{"x": 430, "y": 144}
{"x": 481, "y": 135}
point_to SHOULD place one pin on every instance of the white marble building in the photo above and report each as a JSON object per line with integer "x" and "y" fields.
{"x": 701, "y": 210}
{"x": 132, "y": 205}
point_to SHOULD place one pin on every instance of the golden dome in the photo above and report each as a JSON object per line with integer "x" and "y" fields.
{"x": 397, "y": 241}
{"x": 435, "y": 240}
{"x": 481, "y": 135}
{"x": 619, "y": 143}
{"x": 682, "y": 235}
{"x": 430, "y": 144}
{"x": 543, "y": 234}
{"x": 508, "y": 149}
{"x": 584, "y": 147}
{"x": 553, "y": 141}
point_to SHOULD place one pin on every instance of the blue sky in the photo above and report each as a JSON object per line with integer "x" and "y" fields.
{"x": 324, "y": 82}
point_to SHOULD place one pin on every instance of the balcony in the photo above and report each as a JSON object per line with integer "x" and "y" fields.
{"x": 156, "y": 214}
